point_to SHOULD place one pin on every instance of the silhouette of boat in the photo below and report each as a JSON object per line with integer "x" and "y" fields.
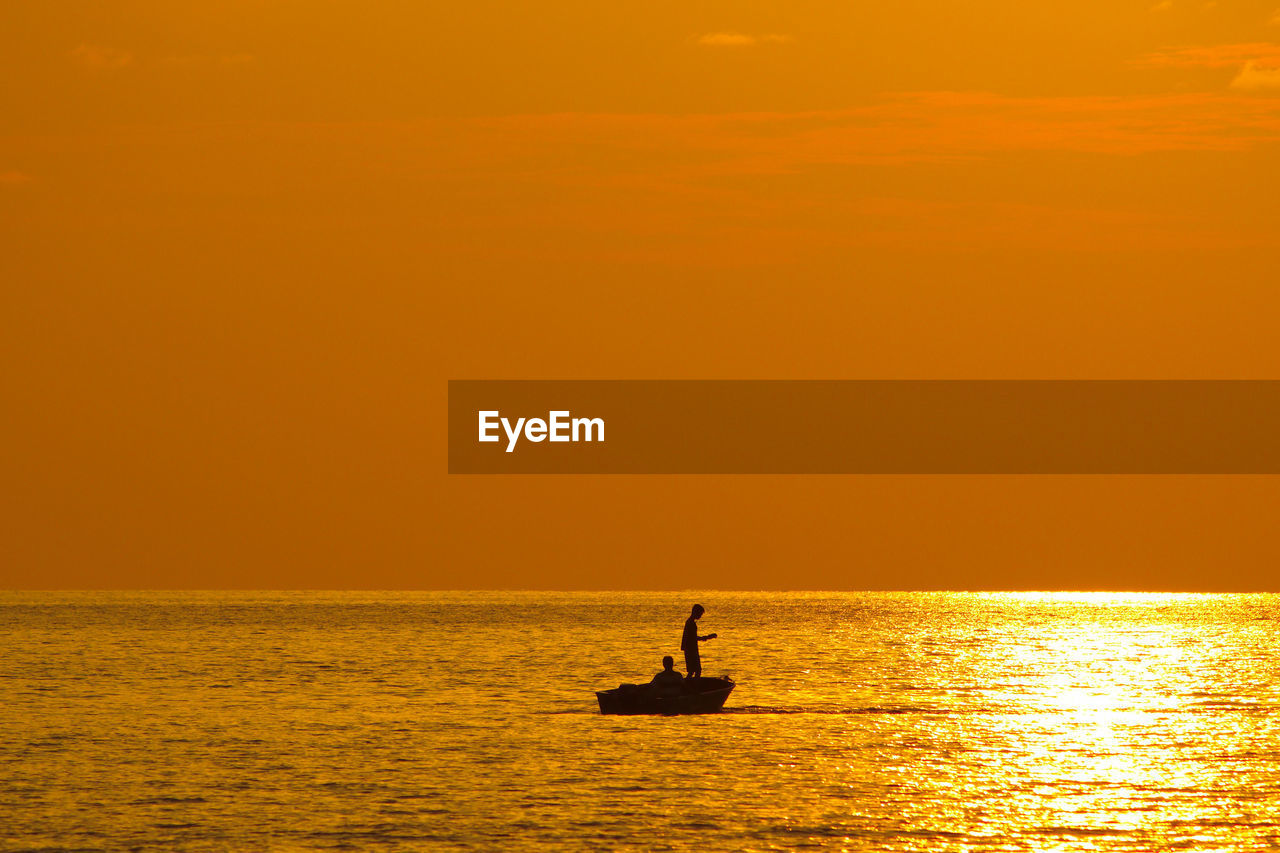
{"x": 696, "y": 696}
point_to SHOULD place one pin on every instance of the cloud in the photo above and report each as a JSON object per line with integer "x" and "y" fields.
{"x": 1162, "y": 6}
{"x": 733, "y": 39}
{"x": 1275, "y": 19}
{"x": 1255, "y": 78}
{"x": 893, "y": 130}
{"x": 718, "y": 175}
{"x": 15, "y": 177}
{"x": 100, "y": 57}
{"x": 1257, "y": 63}
{"x": 695, "y": 187}
{"x": 1212, "y": 56}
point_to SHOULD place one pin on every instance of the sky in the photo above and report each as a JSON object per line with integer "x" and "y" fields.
{"x": 244, "y": 245}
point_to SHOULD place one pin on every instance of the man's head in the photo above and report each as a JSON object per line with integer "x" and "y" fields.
{"x": 698, "y": 611}
{"x": 668, "y": 662}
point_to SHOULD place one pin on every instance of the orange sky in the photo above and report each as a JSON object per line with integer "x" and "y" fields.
{"x": 243, "y": 245}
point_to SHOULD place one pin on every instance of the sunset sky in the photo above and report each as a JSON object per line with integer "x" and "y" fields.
{"x": 244, "y": 245}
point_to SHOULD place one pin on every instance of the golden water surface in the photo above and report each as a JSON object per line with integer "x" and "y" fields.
{"x": 438, "y": 721}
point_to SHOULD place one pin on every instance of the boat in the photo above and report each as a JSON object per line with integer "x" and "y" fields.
{"x": 696, "y": 696}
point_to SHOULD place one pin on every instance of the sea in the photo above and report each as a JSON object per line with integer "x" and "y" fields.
{"x": 405, "y": 721}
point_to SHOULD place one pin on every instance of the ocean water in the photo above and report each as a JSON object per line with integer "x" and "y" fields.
{"x": 461, "y": 721}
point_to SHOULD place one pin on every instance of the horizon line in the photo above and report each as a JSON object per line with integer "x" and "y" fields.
{"x": 672, "y": 591}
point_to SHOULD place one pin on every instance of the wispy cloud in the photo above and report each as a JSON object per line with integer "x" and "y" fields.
{"x": 1212, "y": 56}
{"x": 15, "y": 177}
{"x": 97, "y": 57}
{"x": 100, "y": 57}
{"x": 1256, "y": 78}
{"x": 673, "y": 174}
{"x": 922, "y": 127}
{"x": 735, "y": 39}
{"x": 758, "y": 187}
{"x": 1257, "y": 64}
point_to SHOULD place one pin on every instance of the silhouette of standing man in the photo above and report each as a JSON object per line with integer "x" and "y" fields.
{"x": 689, "y": 644}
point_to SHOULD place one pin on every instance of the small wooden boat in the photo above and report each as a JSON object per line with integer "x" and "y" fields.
{"x": 696, "y": 696}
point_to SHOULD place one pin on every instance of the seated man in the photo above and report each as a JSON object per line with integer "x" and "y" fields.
{"x": 668, "y": 681}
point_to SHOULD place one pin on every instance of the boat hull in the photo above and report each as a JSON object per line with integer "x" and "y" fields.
{"x": 698, "y": 696}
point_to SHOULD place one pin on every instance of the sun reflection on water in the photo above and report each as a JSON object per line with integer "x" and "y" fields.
{"x": 1088, "y": 720}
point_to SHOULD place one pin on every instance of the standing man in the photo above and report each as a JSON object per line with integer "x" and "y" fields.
{"x": 689, "y": 644}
